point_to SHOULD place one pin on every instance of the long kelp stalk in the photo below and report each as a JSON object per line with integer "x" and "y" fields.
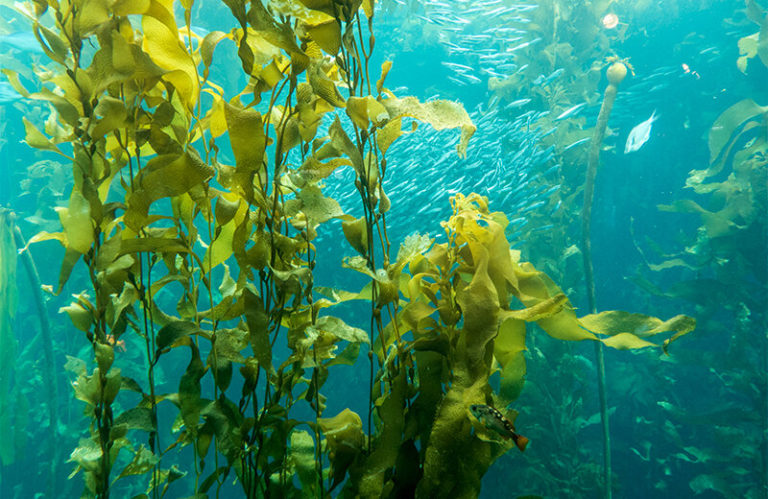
{"x": 45, "y": 332}
{"x": 616, "y": 73}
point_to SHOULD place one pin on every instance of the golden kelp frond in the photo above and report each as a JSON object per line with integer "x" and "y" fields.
{"x": 440, "y": 114}
{"x": 162, "y": 43}
{"x": 755, "y": 44}
{"x": 628, "y": 330}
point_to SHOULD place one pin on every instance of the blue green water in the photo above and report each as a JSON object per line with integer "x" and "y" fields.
{"x": 691, "y": 423}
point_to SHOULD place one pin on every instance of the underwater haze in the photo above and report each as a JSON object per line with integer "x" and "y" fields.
{"x": 384, "y": 248}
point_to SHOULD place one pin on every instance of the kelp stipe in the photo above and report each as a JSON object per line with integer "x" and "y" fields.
{"x": 616, "y": 74}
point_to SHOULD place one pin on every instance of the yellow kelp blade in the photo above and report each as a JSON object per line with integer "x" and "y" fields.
{"x": 628, "y": 331}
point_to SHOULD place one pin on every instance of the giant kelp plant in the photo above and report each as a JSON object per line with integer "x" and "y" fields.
{"x": 213, "y": 264}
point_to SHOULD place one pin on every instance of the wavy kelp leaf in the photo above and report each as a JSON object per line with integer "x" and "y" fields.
{"x": 143, "y": 461}
{"x": 190, "y": 401}
{"x": 104, "y": 355}
{"x": 540, "y": 310}
{"x": 163, "y": 176}
{"x": 721, "y": 482}
{"x": 122, "y": 56}
{"x": 344, "y": 441}
{"x": 386, "y": 66}
{"x": 35, "y": 138}
{"x": 81, "y": 316}
{"x": 154, "y": 244}
{"x": 367, "y": 6}
{"x": 717, "y": 224}
{"x": 413, "y": 247}
{"x": 162, "y": 43}
{"x": 508, "y": 350}
{"x": 314, "y": 207}
{"x": 229, "y": 344}
{"x": 341, "y": 330}
{"x": 356, "y": 232}
{"x": 87, "y": 454}
{"x": 343, "y": 10}
{"x": 323, "y": 86}
{"x": 479, "y": 304}
{"x": 112, "y": 113}
{"x": 92, "y": 14}
{"x": 341, "y": 296}
{"x": 327, "y": 35}
{"x": 747, "y": 50}
{"x": 278, "y": 34}
{"x": 727, "y": 124}
{"x": 221, "y": 248}
{"x": 210, "y": 41}
{"x": 138, "y": 418}
{"x": 53, "y": 45}
{"x": 117, "y": 61}
{"x": 757, "y": 15}
{"x": 475, "y": 226}
{"x": 171, "y": 333}
{"x": 246, "y": 134}
{"x": 258, "y": 327}
{"x": 313, "y": 170}
{"x": 129, "y": 7}
{"x": 391, "y": 132}
{"x": 629, "y": 330}
{"x": 77, "y": 223}
{"x": 536, "y": 287}
{"x": 343, "y": 144}
{"x": 301, "y": 459}
{"x": 365, "y": 110}
{"x": 452, "y": 446}
{"x": 390, "y": 408}
{"x": 440, "y": 114}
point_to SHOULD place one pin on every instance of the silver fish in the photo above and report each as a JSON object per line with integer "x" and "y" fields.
{"x": 639, "y": 135}
{"x": 571, "y": 111}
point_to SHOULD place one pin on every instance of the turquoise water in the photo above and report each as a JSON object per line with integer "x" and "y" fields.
{"x": 531, "y": 75}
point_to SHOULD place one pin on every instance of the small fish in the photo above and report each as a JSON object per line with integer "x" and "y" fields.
{"x": 571, "y": 111}
{"x": 517, "y": 103}
{"x": 494, "y": 420}
{"x": 578, "y": 142}
{"x": 640, "y": 134}
{"x": 118, "y": 344}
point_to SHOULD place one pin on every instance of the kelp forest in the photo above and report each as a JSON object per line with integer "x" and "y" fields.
{"x": 249, "y": 305}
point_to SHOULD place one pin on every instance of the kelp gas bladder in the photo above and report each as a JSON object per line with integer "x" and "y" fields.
{"x": 156, "y": 211}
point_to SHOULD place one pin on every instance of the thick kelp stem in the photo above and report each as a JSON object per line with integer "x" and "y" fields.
{"x": 35, "y": 286}
{"x": 616, "y": 74}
